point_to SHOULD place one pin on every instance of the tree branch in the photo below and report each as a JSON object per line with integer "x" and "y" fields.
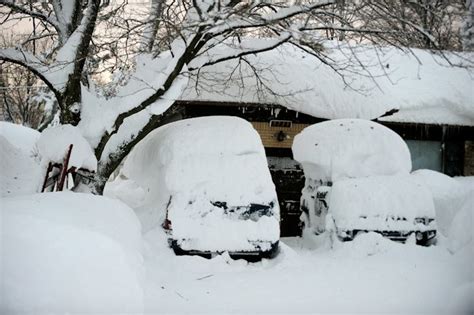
{"x": 35, "y": 14}
{"x": 31, "y": 63}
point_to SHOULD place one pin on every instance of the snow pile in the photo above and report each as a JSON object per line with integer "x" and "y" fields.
{"x": 19, "y": 172}
{"x": 343, "y": 148}
{"x": 424, "y": 87}
{"x": 125, "y": 190}
{"x": 23, "y": 138}
{"x": 195, "y": 170}
{"x": 54, "y": 142}
{"x": 461, "y": 231}
{"x": 70, "y": 253}
{"x": 448, "y": 195}
{"x": 381, "y": 203}
{"x": 454, "y": 205}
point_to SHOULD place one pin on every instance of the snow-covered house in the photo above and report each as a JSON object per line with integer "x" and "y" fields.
{"x": 417, "y": 94}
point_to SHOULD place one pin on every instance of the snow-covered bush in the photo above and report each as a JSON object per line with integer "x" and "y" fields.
{"x": 69, "y": 253}
{"x": 203, "y": 174}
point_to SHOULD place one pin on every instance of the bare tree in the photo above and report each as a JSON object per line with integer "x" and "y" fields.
{"x": 439, "y": 21}
{"x": 176, "y": 38}
{"x": 467, "y": 30}
{"x": 24, "y": 98}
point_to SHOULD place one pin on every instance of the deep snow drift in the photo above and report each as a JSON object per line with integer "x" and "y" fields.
{"x": 20, "y": 172}
{"x": 69, "y": 253}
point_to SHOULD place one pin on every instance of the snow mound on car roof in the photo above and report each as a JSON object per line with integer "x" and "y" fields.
{"x": 380, "y": 203}
{"x": 190, "y": 168}
{"x": 344, "y": 148}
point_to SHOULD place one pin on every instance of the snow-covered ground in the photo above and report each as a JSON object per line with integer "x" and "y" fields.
{"x": 371, "y": 274}
{"x": 75, "y": 253}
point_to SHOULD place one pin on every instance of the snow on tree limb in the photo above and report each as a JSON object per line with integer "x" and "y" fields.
{"x": 244, "y": 21}
{"x": 264, "y": 45}
{"x": 31, "y": 62}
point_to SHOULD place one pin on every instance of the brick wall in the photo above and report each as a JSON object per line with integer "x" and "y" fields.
{"x": 269, "y": 134}
{"x": 469, "y": 158}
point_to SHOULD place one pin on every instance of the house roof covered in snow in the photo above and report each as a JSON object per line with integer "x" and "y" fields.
{"x": 421, "y": 86}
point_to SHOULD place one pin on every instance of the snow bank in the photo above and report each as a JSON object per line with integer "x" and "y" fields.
{"x": 448, "y": 196}
{"x": 461, "y": 231}
{"x": 424, "y": 87}
{"x": 70, "y": 253}
{"x": 19, "y": 173}
{"x": 54, "y": 142}
{"x": 195, "y": 165}
{"x": 381, "y": 203}
{"x": 21, "y": 137}
{"x": 343, "y": 148}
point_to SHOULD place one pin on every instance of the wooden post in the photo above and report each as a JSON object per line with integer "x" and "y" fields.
{"x": 50, "y": 167}
{"x": 64, "y": 170}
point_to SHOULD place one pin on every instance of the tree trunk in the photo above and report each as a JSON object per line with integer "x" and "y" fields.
{"x": 96, "y": 183}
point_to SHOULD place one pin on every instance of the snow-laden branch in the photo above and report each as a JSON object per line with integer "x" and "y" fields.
{"x": 417, "y": 27}
{"x": 258, "y": 20}
{"x": 152, "y": 25}
{"x": 240, "y": 51}
{"x": 151, "y": 82}
{"x": 67, "y": 15}
{"x": 32, "y": 63}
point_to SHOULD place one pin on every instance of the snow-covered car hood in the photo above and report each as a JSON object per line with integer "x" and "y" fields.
{"x": 213, "y": 226}
{"x": 382, "y": 203}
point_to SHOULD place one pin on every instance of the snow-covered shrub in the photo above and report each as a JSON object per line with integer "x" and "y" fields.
{"x": 69, "y": 253}
{"x": 202, "y": 173}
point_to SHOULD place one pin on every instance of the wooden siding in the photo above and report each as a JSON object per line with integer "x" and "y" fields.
{"x": 269, "y": 134}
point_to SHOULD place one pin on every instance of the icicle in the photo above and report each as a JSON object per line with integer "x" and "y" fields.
{"x": 277, "y": 112}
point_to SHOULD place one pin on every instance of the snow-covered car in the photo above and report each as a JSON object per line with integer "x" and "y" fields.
{"x": 358, "y": 180}
{"x": 208, "y": 178}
